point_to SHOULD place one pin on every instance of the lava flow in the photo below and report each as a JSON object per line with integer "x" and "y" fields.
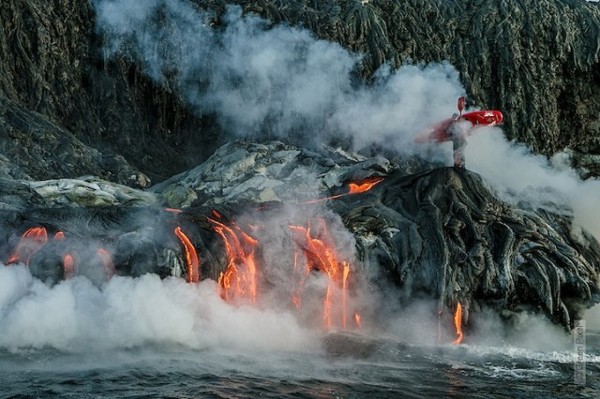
{"x": 31, "y": 241}
{"x": 458, "y": 324}
{"x": 353, "y": 188}
{"x": 107, "y": 263}
{"x": 68, "y": 261}
{"x": 365, "y": 185}
{"x": 320, "y": 256}
{"x": 191, "y": 257}
{"x": 238, "y": 280}
{"x": 68, "y": 266}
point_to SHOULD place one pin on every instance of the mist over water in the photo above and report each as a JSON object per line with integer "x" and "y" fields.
{"x": 77, "y": 316}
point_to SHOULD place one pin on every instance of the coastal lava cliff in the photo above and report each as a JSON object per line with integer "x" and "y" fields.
{"x": 107, "y": 168}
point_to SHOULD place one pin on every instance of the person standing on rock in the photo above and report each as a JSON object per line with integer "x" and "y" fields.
{"x": 457, "y": 128}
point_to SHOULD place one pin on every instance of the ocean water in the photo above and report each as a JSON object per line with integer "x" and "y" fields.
{"x": 390, "y": 372}
{"x": 152, "y": 338}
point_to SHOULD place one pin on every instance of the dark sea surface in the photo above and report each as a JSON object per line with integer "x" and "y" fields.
{"x": 391, "y": 371}
{"x": 153, "y": 338}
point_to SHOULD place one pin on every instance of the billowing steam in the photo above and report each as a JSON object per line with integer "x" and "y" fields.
{"x": 76, "y": 315}
{"x": 518, "y": 174}
{"x": 263, "y": 80}
{"x": 280, "y": 80}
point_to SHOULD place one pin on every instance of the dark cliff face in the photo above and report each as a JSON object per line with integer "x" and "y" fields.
{"x": 536, "y": 62}
{"x": 52, "y": 64}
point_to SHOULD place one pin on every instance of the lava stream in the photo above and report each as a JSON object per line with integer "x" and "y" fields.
{"x": 365, "y": 185}
{"x": 320, "y": 255}
{"x": 31, "y": 241}
{"x": 458, "y": 324}
{"x": 68, "y": 266}
{"x": 353, "y": 188}
{"x": 191, "y": 257}
{"x": 238, "y": 280}
{"x": 107, "y": 263}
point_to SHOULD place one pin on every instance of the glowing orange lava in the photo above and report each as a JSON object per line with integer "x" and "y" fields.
{"x": 365, "y": 185}
{"x": 239, "y": 278}
{"x": 107, "y": 262}
{"x": 346, "y": 272}
{"x": 31, "y": 241}
{"x": 59, "y": 235}
{"x": 191, "y": 257}
{"x": 320, "y": 255}
{"x": 357, "y": 320}
{"x": 353, "y": 188}
{"x": 458, "y": 324}
{"x": 68, "y": 266}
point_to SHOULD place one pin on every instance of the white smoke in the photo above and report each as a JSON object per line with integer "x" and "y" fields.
{"x": 76, "y": 315}
{"x": 518, "y": 174}
{"x": 592, "y": 318}
{"x": 274, "y": 80}
{"x": 419, "y": 324}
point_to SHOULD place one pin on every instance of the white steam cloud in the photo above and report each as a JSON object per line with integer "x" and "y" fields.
{"x": 283, "y": 80}
{"x": 274, "y": 80}
{"x": 76, "y": 316}
{"x": 518, "y": 174}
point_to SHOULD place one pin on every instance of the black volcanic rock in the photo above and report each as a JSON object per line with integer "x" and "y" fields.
{"x": 444, "y": 234}
{"x": 40, "y": 149}
{"x": 431, "y": 233}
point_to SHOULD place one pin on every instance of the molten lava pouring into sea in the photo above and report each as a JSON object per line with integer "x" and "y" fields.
{"x": 319, "y": 253}
{"x": 313, "y": 249}
{"x": 458, "y": 324}
{"x": 239, "y": 279}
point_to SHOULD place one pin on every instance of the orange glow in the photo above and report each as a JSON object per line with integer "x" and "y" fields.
{"x": 346, "y": 272}
{"x": 357, "y": 320}
{"x": 299, "y": 284}
{"x": 173, "y": 210}
{"x": 353, "y": 188}
{"x": 458, "y": 324}
{"x": 59, "y": 235}
{"x": 191, "y": 257}
{"x": 107, "y": 262}
{"x": 238, "y": 280}
{"x": 320, "y": 255}
{"x": 31, "y": 241}
{"x": 365, "y": 185}
{"x": 68, "y": 265}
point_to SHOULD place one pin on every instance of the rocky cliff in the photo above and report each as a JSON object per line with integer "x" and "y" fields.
{"x": 537, "y": 62}
{"x": 103, "y": 92}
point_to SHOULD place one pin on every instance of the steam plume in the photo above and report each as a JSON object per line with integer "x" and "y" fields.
{"x": 275, "y": 80}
